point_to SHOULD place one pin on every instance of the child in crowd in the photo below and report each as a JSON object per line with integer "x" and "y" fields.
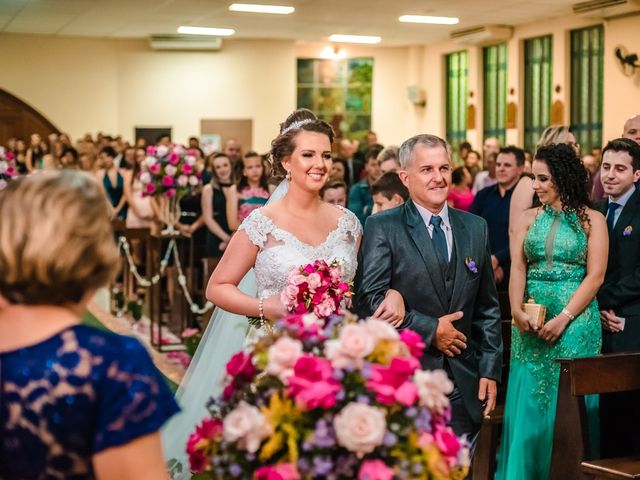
{"x": 388, "y": 192}
{"x": 251, "y": 191}
{"x": 334, "y": 192}
{"x": 460, "y": 194}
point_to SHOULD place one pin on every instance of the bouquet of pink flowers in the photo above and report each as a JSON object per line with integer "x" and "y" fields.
{"x": 169, "y": 171}
{"x": 8, "y": 170}
{"x": 317, "y": 288}
{"x": 340, "y": 399}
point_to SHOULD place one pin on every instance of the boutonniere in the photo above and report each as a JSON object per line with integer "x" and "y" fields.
{"x": 627, "y": 231}
{"x": 471, "y": 264}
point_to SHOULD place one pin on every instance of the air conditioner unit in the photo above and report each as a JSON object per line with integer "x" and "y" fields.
{"x": 185, "y": 42}
{"x": 482, "y": 35}
{"x": 605, "y": 8}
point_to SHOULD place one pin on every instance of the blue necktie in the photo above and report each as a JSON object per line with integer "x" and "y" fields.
{"x": 438, "y": 238}
{"x": 611, "y": 214}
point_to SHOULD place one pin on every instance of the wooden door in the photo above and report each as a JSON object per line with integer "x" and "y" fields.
{"x": 18, "y": 119}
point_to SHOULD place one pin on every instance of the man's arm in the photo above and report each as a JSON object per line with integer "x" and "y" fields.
{"x": 616, "y": 294}
{"x": 486, "y": 325}
{"x": 373, "y": 280}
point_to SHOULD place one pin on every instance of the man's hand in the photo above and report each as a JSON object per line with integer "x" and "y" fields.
{"x": 494, "y": 263}
{"x": 391, "y": 310}
{"x": 610, "y": 321}
{"x": 487, "y": 394}
{"x": 498, "y": 273}
{"x": 447, "y": 339}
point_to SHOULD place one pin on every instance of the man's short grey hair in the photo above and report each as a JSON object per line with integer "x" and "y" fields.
{"x": 423, "y": 140}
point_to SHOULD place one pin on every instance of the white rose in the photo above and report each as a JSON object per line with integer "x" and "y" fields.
{"x": 434, "y": 387}
{"x": 150, "y": 161}
{"x": 145, "y": 177}
{"x": 161, "y": 151}
{"x": 3, "y": 166}
{"x": 194, "y": 181}
{"x": 360, "y": 428}
{"x": 3, "y": 183}
{"x": 381, "y": 330}
{"x": 283, "y": 356}
{"x": 183, "y": 180}
{"x": 352, "y": 346}
{"x": 246, "y": 427}
{"x": 190, "y": 159}
{"x": 170, "y": 170}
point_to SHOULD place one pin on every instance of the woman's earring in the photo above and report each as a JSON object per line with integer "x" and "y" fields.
{"x": 288, "y": 175}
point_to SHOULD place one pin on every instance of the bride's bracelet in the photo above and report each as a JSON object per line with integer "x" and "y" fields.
{"x": 261, "y": 310}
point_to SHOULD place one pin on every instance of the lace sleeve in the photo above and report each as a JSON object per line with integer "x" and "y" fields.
{"x": 352, "y": 225}
{"x": 257, "y": 226}
{"x": 134, "y": 399}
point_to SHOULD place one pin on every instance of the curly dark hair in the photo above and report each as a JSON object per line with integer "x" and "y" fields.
{"x": 569, "y": 177}
{"x": 284, "y": 144}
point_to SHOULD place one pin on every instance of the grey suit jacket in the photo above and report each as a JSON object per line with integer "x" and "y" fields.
{"x": 397, "y": 253}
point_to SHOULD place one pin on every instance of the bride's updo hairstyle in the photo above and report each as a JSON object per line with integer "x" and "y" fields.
{"x": 284, "y": 144}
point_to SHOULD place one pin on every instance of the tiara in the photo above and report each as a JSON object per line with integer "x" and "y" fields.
{"x": 296, "y": 125}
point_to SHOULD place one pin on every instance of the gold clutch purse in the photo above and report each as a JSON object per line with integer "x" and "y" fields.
{"x": 536, "y": 311}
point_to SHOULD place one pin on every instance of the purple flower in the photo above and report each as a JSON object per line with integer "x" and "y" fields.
{"x": 627, "y": 231}
{"x": 471, "y": 264}
{"x": 423, "y": 421}
{"x": 235, "y": 470}
{"x": 389, "y": 439}
{"x": 323, "y": 435}
{"x": 322, "y": 466}
{"x": 363, "y": 399}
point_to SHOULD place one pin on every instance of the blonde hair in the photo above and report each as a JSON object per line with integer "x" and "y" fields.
{"x": 56, "y": 240}
{"x": 552, "y": 135}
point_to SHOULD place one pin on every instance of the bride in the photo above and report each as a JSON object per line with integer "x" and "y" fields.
{"x": 295, "y": 228}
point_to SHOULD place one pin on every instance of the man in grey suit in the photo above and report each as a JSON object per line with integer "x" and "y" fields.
{"x": 438, "y": 259}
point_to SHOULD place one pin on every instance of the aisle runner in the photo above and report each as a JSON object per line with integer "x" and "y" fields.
{"x": 171, "y": 364}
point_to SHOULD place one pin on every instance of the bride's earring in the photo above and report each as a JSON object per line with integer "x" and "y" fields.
{"x": 288, "y": 175}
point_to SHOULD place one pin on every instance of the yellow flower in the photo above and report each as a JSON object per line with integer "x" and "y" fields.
{"x": 282, "y": 415}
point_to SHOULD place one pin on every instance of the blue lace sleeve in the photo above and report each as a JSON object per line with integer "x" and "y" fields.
{"x": 134, "y": 399}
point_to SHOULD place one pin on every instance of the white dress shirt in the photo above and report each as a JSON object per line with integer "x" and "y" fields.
{"x": 622, "y": 201}
{"x": 446, "y": 224}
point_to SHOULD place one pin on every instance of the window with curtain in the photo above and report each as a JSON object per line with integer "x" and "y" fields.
{"x": 456, "y": 112}
{"x": 537, "y": 88}
{"x": 587, "y": 63}
{"x": 338, "y": 91}
{"x": 495, "y": 91}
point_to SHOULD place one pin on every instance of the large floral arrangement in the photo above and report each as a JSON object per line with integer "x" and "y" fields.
{"x": 169, "y": 171}
{"x": 341, "y": 399}
{"x": 8, "y": 170}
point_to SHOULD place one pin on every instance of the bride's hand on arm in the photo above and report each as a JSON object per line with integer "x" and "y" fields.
{"x": 273, "y": 307}
{"x": 222, "y": 289}
{"x": 391, "y": 309}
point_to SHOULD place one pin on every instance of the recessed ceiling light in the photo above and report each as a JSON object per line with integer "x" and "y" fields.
{"x": 429, "y": 19}
{"x": 217, "y": 32}
{"x": 248, "y": 7}
{"x": 355, "y": 39}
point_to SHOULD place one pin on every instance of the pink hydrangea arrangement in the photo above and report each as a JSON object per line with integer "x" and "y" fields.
{"x": 169, "y": 171}
{"x": 340, "y": 398}
{"x": 8, "y": 170}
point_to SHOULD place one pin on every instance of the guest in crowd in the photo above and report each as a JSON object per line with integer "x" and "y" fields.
{"x": 487, "y": 177}
{"x": 463, "y": 151}
{"x": 338, "y": 170}
{"x": 524, "y": 196}
{"x": 360, "y": 201}
{"x": 473, "y": 163}
{"x": 591, "y": 163}
{"x": 35, "y": 153}
{"x": 631, "y": 129}
{"x": 69, "y": 158}
{"x": 492, "y": 204}
{"x": 388, "y": 158}
{"x": 77, "y": 402}
{"x": 346, "y": 152}
{"x": 460, "y": 194}
{"x": 112, "y": 180}
{"x": 334, "y": 192}
{"x": 619, "y": 295}
{"x": 214, "y": 208}
{"x": 251, "y": 191}
{"x": 557, "y": 260}
{"x": 233, "y": 151}
{"x": 388, "y": 192}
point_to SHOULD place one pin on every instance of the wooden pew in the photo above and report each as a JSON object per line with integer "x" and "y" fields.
{"x": 572, "y": 458}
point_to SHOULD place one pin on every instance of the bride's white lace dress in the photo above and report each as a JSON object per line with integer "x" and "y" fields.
{"x": 279, "y": 253}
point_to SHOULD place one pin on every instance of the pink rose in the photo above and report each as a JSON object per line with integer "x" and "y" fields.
{"x": 167, "y": 181}
{"x": 314, "y": 280}
{"x": 375, "y": 470}
{"x": 9, "y": 155}
{"x": 150, "y": 189}
{"x": 189, "y": 332}
{"x": 352, "y": 346}
{"x": 283, "y": 355}
{"x": 324, "y": 309}
{"x": 198, "y": 442}
{"x": 171, "y": 192}
{"x": 155, "y": 168}
{"x": 170, "y": 170}
{"x": 446, "y": 441}
{"x": 183, "y": 180}
{"x": 187, "y": 169}
{"x": 414, "y": 341}
{"x": 310, "y": 268}
{"x": 381, "y": 330}
{"x": 434, "y": 388}
{"x": 240, "y": 366}
{"x": 228, "y": 392}
{"x": 289, "y": 295}
{"x": 246, "y": 427}
{"x": 174, "y": 158}
{"x": 360, "y": 428}
{"x": 161, "y": 151}
{"x": 282, "y": 471}
{"x": 151, "y": 150}
{"x": 297, "y": 279}
{"x": 312, "y": 383}
{"x": 193, "y": 180}
{"x": 393, "y": 383}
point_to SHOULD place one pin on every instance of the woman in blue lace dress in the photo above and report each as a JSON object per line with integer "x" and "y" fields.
{"x": 558, "y": 255}
{"x": 75, "y": 402}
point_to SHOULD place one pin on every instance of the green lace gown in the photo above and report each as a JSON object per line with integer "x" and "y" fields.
{"x": 556, "y": 251}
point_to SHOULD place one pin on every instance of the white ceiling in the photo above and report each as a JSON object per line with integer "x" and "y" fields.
{"x": 313, "y": 20}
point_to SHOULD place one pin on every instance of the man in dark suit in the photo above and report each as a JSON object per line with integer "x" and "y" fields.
{"x": 619, "y": 296}
{"x": 438, "y": 259}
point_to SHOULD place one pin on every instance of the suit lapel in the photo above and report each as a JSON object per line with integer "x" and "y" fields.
{"x": 461, "y": 244}
{"x": 626, "y": 216}
{"x": 424, "y": 244}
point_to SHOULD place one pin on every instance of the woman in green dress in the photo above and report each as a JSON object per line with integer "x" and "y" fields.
{"x": 558, "y": 259}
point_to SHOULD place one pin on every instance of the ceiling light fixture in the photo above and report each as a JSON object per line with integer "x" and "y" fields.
{"x": 429, "y": 19}
{"x": 355, "y": 39}
{"x": 216, "y": 32}
{"x": 252, "y": 8}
